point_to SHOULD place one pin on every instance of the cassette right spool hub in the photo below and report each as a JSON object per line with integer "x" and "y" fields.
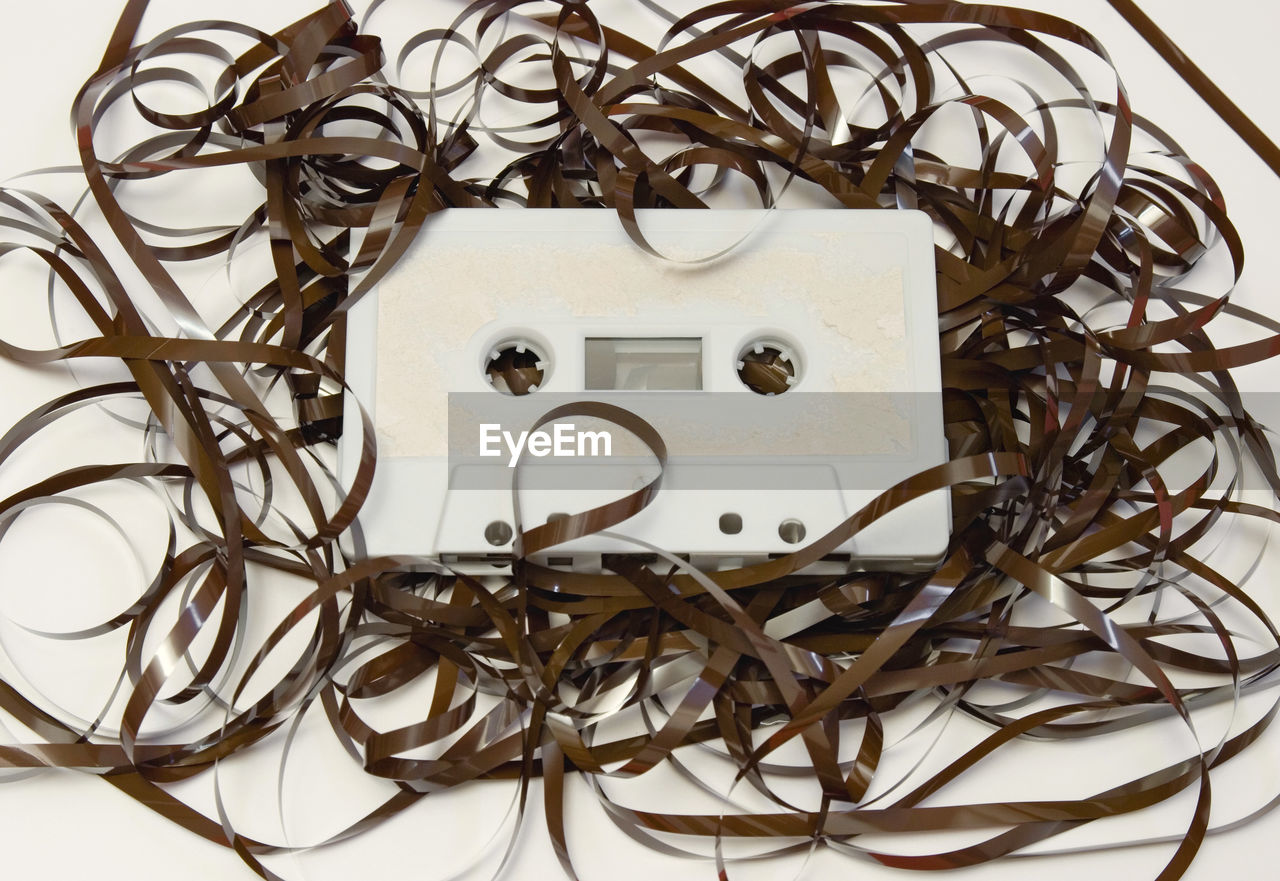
{"x": 768, "y": 367}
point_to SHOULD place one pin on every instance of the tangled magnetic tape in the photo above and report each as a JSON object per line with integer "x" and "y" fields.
{"x": 801, "y": 432}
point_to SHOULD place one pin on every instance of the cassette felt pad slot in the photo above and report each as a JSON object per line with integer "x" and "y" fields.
{"x": 792, "y": 378}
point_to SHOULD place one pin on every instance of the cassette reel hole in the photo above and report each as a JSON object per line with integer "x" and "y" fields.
{"x": 516, "y": 367}
{"x": 791, "y": 531}
{"x": 730, "y": 524}
{"x": 768, "y": 367}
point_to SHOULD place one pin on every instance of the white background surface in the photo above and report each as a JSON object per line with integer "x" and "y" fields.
{"x": 60, "y": 824}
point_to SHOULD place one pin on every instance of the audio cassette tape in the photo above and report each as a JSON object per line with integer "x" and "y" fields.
{"x": 788, "y": 359}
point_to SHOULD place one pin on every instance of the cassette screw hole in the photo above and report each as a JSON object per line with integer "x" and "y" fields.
{"x": 515, "y": 368}
{"x": 730, "y": 524}
{"x": 791, "y": 531}
{"x": 767, "y": 368}
{"x": 498, "y": 533}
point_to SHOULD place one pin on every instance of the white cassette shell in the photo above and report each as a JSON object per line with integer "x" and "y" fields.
{"x": 847, "y": 297}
